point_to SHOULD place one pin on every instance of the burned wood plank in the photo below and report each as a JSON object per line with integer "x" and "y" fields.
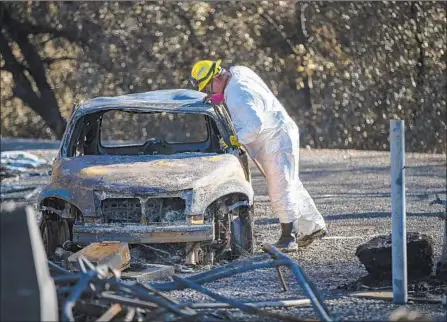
{"x": 110, "y": 313}
{"x": 111, "y": 253}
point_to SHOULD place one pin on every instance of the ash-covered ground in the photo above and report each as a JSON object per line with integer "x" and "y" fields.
{"x": 352, "y": 191}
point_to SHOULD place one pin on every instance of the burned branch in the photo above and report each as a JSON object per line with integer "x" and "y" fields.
{"x": 52, "y": 60}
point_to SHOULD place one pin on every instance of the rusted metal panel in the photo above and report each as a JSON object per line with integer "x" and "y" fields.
{"x": 136, "y": 234}
{"x": 113, "y": 254}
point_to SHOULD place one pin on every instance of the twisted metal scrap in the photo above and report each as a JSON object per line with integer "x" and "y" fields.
{"x": 248, "y": 264}
{"x": 146, "y": 302}
{"x": 94, "y": 283}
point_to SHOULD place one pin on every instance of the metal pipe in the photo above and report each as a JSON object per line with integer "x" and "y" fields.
{"x": 231, "y": 272}
{"x": 128, "y": 301}
{"x": 66, "y": 279}
{"x": 311, "y": 292}
{"x": 234, "y": 303}
{"x": 174, "y": 286}
{"x": 398, "y": 212}
{"x": 164, "y": 303}
{"x": 281, "y": 278}
{"x": 318, "y": 305}
{"x": 260, "y": 304}
{"x": 161, "y": 310}
{"x": 57, "y": 268}
{"x": 233, "y": 264}
{"x": 148, "y": 288}
{"x": 64, "y": 289}
{"x": 238, "y": 270}
{"x": 78, "y": 289}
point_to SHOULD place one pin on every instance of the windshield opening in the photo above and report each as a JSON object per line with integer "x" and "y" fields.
{"x": 121, "y": 128}
{"x": 121, "y": 132}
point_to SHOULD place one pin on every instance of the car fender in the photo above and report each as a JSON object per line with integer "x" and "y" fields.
{"x": 74, "y": 198}
{"x": 205, "y": 196}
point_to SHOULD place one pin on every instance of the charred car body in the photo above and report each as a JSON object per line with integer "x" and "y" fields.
{"x": 149, "y": 168}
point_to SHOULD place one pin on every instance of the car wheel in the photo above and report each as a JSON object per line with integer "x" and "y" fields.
{"x": 242, "y": 232}
{"x": 48, "y": 231}
{"x": 63, "y": 231}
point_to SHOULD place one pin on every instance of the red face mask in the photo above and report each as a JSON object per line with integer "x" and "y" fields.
{"x": 217, "y": 98}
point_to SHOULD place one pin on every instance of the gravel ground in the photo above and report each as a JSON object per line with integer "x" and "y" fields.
{"x": 352, "y": 191}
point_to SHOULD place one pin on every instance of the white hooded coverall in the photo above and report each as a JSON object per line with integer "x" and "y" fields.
{"x": 271, "y": 137}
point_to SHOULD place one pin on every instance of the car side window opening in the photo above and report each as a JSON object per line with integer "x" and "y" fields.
{"x": 84, "y": 139}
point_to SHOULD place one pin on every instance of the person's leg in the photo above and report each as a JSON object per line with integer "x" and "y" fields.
{"x": 311, "y": 223}
{"x": 288, "y": 196}
{"x": 279, "y": 169}
{"x": 310, "y": 218}
{"x": 291, "y": 202}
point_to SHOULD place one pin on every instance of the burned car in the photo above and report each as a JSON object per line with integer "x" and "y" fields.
{"x": 150, "y": 168}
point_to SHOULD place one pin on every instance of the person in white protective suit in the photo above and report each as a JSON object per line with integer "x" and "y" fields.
{"x": 271, "y": 138}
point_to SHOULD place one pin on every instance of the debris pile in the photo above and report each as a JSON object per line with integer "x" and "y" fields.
{"x": 23, "y": 175}
{"x": 98, "y": 292}
{"x": 15, "y": 163}
{"x": 114, "y": 254}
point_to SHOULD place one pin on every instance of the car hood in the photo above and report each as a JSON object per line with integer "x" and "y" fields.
{"x": 149, "y": 173}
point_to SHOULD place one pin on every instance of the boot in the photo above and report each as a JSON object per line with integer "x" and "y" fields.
{"x": 287, "y": 242}
{"x": 306, "y": 240}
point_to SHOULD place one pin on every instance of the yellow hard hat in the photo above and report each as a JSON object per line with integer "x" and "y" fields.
{"x": 202, "y": 72}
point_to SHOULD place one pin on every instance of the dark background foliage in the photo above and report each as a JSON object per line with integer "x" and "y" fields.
{"x": 341, "y": 69}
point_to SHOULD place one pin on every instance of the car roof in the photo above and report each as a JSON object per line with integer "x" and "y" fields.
{"x": 170, "y": 100}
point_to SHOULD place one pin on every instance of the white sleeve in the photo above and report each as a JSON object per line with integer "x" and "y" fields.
{"x": 245, "y": 110}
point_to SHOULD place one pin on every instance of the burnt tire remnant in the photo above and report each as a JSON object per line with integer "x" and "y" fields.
{"x": 242, "y": 233}
{"x": 376, "y": 256}
{"x": 50, "y": 236}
